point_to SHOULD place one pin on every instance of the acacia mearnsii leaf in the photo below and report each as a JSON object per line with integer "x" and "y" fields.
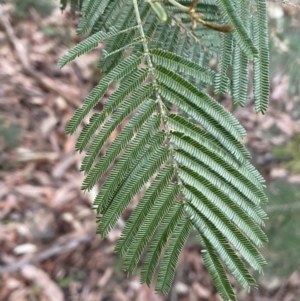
{"x": 106, "y": 64}
{"x": 157, "y": 245}
{"x": 240, "y": 33}
{"x": 223, "y": 249}
{"x": 142, "y": 173}
{"x": 203, "y": 60}
{"x": 203, "y": 100}
{"x": 172, "y": 39}
{"x": 174, "y": 62}
{"x": 110, "y": 15}
{"x": 241, "y": 179}
{"x": 217, "y": 272}
{"x": 222, "y": 82}
{"x": 91, "y": 14}
{"x": 160, "y": 35}
{"x": 126, "y": 108}
{"x": 126, "y": 134}
{"x": 123, "y": 69}
{"x": 201, "y": 210}
{"x": 210, "y": 123}
{"x": 149, "y": 28}
{"x": 111, "y": 125}
{"x": 87, "y": 6}
{"x": 90, "y": 43}
{"x": 206, "y": 140}
{"x": 220, "y": 244}
{"x": 120, "y": 180}
{"x": 127, "y": 160}
{"x": 184, "y": 45}
{"x": 193, "y": 170}
{"x": 168, "y": 265}
{"x": 144, "y": 206}
{"x": 261, "y": 81}
{"x": 201, "y": 56}
{"x": 113, "y": 55}
{"x": 152, "y": 220}
{"x": 188, "y": 162}
{"x": 186, "y": 158}
{"x": 238, "y": 215}
{"x": 226, "y": 206}
{"x": 131, "y": 83}
{"x": 240, "y": 77}
{"x": 178, "y": 123}
{"x": 139, "y": 156}
{"x": 240, "y": 59}
{"x": 138, "y": 161}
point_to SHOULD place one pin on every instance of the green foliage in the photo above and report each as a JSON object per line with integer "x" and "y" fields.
{"x": 284, "y": 48}
{"x": 43, "y": 7}
{"x": 283, "y": 229}
{"x": 9, "y": 135}
{"x": 191, "y": 166}
{"x": 289, "y": 153}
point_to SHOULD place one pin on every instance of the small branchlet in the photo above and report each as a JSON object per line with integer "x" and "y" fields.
{"x": 197, "y": 17}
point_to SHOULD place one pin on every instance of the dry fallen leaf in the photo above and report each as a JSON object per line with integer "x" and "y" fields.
{"x": 42, "y": 279}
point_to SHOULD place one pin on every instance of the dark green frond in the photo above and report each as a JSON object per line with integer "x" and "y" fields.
{"x": 192, "y": 163}
{"x": 253, "y": 210}
{"x": 113, "y": 55}
{"x": 126, "y": 108}
{"x": 176, "y": 63}
{"x": 128, "y": 132}
{"x": 152, "y": 220}
{"x": 90, "y": 14}
{"x": 89, "y": 44}
{"x": 202, "y": 215}
{"x": 222, "y": 82}
{"x": 111, "y": 125}
{"x": 261, "y": 80}
{"x": 123, "y": 69}
{"x": 240, "y": 66}
{"x": 126, "y": 162}
{"x": 149, "y": 164}
{"x": 183, "y": 46}
{"x": 161, "y": 140}
{"x": 204, "y": 101}
{"x": 203, "y": 140}
{"x": 110, "y": 15}
{"x": 168, "y": 265}
{"x": 217, "y": 271}
{"x": 211, "y": 124}
{"x": 173, "y": 38}
{"x": 224, "y": 203}
{"x": 240, "y": 178}
{"x": 240, "y": 33}
{"x": 160, "y": 34}
{"x": 167, "y": 227}
{"x": 140, "y": 212}
{"x": 126, "y": 87}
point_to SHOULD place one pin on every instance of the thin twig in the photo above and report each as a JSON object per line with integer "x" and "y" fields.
{"x": 197, "y": 17}
{"x": 162, "y": 108}
{"x": 56, "y": 249}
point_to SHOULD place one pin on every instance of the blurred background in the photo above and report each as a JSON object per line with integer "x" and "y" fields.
{"x": 48, "y": 249}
